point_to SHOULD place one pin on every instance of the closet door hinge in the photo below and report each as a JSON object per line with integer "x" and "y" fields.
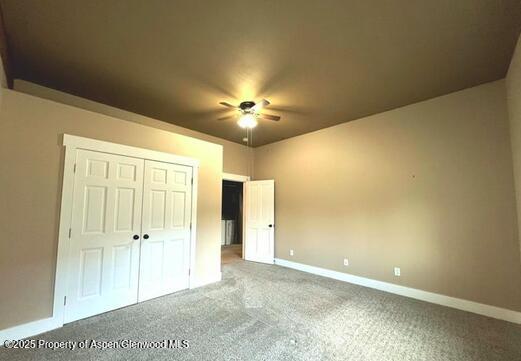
{"x": 65, "y": 300}
{"x": 189, "y": 271}
{"x": 70, "y": 232}
{"x": 190, "y": 225}
{"x": 192, "y": 181}
{"x": 74, "y": 169}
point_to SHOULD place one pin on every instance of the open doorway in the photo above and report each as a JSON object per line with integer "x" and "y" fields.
{"x": 232, "y": 217}
{"x": 231, "y": 221}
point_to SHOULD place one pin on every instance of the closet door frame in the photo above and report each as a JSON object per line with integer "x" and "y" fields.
{"x": 72, "y": 144}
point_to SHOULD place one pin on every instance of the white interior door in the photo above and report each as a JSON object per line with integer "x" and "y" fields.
{"x": 104, "y": 245}
{"x": 165, "y": 247}
{"x": 259, "y": 240}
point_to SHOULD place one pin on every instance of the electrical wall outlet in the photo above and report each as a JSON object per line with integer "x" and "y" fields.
{"x": 397, "y": 271}
{"x": 291, "y": 252}
{"x": 346, "y": 262}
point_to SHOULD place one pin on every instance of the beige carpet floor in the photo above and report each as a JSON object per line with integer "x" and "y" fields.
{"x": 266, "y": 312}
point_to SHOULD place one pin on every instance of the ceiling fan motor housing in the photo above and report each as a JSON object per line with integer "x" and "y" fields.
{"x": 246, "y": 106}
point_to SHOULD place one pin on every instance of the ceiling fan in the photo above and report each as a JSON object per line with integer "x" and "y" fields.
{"x": 250, "y": 112}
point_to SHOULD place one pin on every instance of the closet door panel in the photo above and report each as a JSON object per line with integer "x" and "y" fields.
{"x": 165, "y": 248}
{"x": 104, "y": 256}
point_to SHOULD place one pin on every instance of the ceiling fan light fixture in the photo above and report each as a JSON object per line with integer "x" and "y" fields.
{"x": 247, "y": 121}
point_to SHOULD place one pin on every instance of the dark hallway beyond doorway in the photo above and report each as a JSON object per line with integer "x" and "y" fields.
{"x": 231, "y": 221}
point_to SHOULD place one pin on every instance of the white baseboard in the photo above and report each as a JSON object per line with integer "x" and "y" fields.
{"x": 458, "y": 303}
{"x": 29, "y": 329}
{"x": 206, "y": 281}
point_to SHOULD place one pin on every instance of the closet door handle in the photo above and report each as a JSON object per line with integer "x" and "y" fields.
{"x": 145, "y": 236}
{"x": 136, "y": 236}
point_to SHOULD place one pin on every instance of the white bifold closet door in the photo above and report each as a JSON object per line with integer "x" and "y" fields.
{"x": 103, "y": 255}
{"x": 165, "y": 246}
{"x": 130, "y": 233}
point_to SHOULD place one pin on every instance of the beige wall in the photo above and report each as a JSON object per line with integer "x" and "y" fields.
{"x": 237, "y": 157}
{"x": 30, "y": 183}
{"x": 513, "y": 84}
{"x": 427, "y": 187}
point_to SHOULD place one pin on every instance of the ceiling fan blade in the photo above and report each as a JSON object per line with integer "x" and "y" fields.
{"x": 269, "y": 117}
{"x": 228, "y": 105}
{"x": 257, "y": 107}
{"x": 226, "y": 117}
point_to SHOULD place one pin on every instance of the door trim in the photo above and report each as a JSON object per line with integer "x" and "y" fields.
{"x": 73, "y": 143}
{"x": 236, "y": 177}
